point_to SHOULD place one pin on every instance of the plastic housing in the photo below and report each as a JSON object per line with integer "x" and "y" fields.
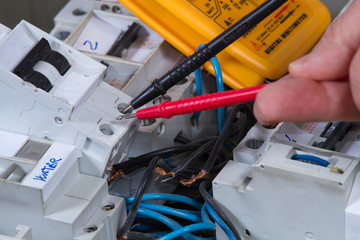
{"x": 265, "y": 52}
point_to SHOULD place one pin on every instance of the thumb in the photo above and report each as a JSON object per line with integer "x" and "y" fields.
{"x": 331, "y": 58}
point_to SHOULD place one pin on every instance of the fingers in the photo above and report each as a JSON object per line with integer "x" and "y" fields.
{"x": 331, "y": 58}
{"x": 309, "y": 92}
{"x": 354, "y": 75}
{"x": 297, "y": 99}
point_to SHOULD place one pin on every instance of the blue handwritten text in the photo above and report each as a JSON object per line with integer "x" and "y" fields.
{"x": 290, "y": 139}
{"x": 49, "y": 167}
{"x": 92, "y": 47}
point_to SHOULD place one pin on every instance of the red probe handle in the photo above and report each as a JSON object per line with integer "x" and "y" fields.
{"x": 200, "y": 103}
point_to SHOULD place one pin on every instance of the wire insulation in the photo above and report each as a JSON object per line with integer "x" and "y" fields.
{"x": 170, "y": 223}
{"x": 212, "y": 203}
{"x": 145, "y": 181}
{"x": 171, "y": 211}
{"x": 188, "y": 229}
{"x": 168, "y": 197}
{"x": 220, "y": 222}
{"x": 194, "y": 156}
{"x": 220, "y": 88}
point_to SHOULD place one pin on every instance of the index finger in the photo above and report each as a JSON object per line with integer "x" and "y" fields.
{"x": 331, "y": 58}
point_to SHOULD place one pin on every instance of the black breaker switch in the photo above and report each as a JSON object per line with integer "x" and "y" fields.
{"x": 41, "y": 52}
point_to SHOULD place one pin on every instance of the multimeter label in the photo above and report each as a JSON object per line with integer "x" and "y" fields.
{"x": 266, "y": 38}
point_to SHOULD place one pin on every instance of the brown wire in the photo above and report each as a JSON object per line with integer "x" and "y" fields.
{"x": 162, "y": 172}
{"x": 188, "y": 182}
{"x": 115, "y": 175}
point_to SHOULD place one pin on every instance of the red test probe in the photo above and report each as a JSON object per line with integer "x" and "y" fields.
{"x": 168, "y": 109}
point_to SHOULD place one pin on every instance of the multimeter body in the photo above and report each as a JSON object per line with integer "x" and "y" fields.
{"x": 264, "y": 52}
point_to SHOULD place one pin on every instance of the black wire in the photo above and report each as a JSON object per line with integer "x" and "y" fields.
{"x": 221, "y": 139}
{"x": 194, "y": 156}
{"x": 133, "y": 164}
{"x": 181, "y": 139}
{"x": 204, "y": 193}
{"x": 144, "y": 183}
{"x": 239, "y": 128}
{"x": 141, "y": 236}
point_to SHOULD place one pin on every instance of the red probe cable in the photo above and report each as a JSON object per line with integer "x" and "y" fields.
{"x": 168, "y": 109}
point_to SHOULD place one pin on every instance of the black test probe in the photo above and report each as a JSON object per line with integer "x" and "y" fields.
{"x": 160, "y": 86}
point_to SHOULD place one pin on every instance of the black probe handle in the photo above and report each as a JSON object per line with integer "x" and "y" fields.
{"x": 204, "y": 54}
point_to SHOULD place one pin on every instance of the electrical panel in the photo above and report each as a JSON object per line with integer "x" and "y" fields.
{"x": 61, "y": 143}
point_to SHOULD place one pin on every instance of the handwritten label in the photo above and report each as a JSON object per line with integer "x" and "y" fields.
{"x": 49, "y": 167}
{"x": 97, "y": 36}
{"x": 290, "y": 139}
{"x": 92, "y": 47}
{"x": 292, "y": 133}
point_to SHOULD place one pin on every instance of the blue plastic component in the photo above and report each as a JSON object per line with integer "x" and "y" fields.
{"x": 311, "y": 159}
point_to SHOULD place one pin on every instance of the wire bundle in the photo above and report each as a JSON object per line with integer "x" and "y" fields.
{"x": 208, "y": 152}
{"x": 216, "y": 212}
{"x": 158, "y": 212}
{"x": 219, "y": 143}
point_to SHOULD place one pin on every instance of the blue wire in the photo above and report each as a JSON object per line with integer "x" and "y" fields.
{"x": 204, "y": 215}
{"x": 220, "y": 222}
{"x": 220, "y": 88}
{"x": 143, "y": 227}
{"x": 311, "y": 159}
{"x": 191, "y": 228}
{"x": 173, "y": 225}
{"x": 168, "y": 197}
{"x": 219, "y": 84}
{"x": 172, "y": 211}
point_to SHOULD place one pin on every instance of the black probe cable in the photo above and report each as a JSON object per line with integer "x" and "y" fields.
{"x": 160, "y": 86}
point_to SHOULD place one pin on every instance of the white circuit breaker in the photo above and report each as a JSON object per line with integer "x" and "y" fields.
{"x": 50, "y": 90}
{"x": 293, "y": 189}
{"x": 46, "y": 195}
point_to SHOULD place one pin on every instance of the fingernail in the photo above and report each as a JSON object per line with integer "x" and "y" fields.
{"x": 297, "y": 65}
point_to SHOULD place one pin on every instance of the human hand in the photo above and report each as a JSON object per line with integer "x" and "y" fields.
{"x": 312, "y": 90}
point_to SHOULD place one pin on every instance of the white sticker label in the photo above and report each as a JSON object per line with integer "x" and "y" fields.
{"x": 97, "y": 37}
{"x": 52, "y": 167}
{"x": 290, "y": 132}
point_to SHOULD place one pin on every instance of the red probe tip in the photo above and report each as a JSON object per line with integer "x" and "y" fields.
{"x": 126, "y": 116}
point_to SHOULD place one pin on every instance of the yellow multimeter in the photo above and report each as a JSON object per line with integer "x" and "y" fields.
{"x": 264, "y": 52}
